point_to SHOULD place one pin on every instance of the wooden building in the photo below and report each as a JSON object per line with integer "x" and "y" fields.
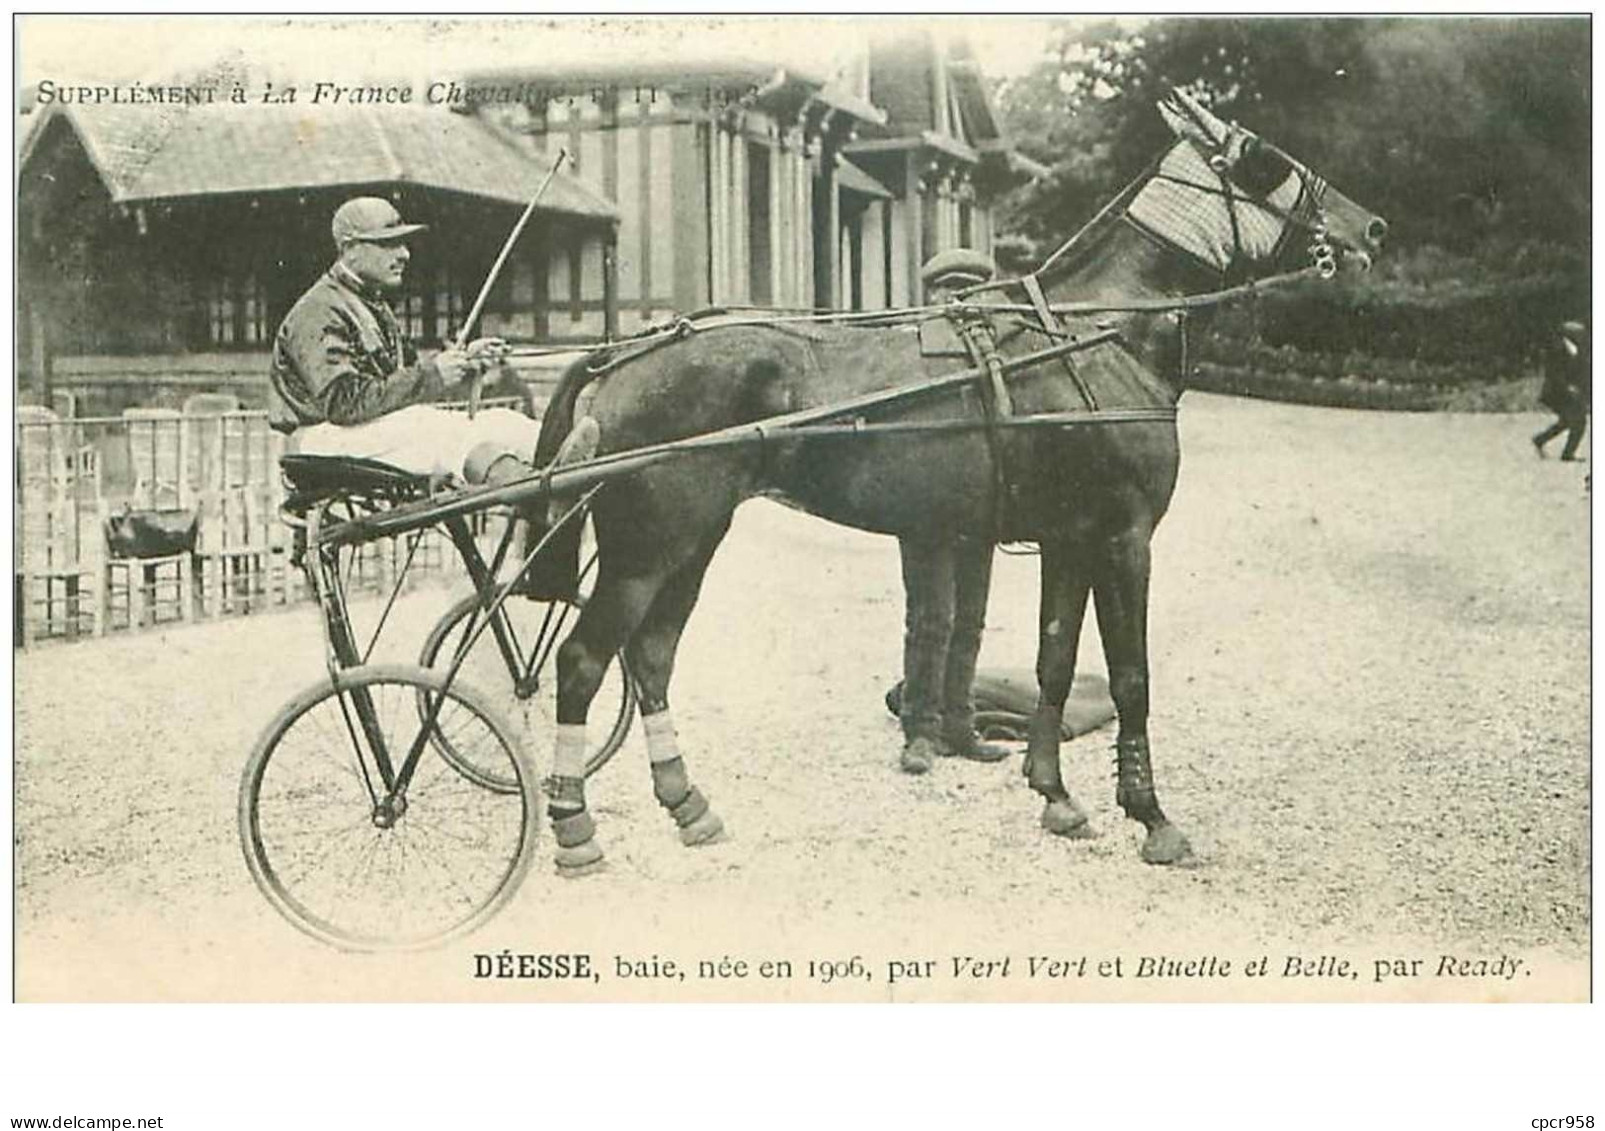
{"x": 158, "y": 252}
{"x": 744, "y": 182}
{"x": 159, "y": 248}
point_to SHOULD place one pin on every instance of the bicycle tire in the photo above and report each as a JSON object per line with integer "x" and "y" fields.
{"x": 486, "y": 668}
{"x": 304, "y": 780}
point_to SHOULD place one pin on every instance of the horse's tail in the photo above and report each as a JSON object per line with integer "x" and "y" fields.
{"x": 555, "y": 574}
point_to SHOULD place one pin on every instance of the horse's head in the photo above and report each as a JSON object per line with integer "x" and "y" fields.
{"x": 1232, "y": 199}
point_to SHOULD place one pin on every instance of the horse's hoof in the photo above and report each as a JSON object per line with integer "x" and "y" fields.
{"x": 579, "y": 860}
{"x": 704, "y": 830}
{"x": 1166, "y": 844}
{"x": 1065, "y": 818}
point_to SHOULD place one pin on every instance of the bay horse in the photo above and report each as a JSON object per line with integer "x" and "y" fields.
{"x": 1219, "y": 206}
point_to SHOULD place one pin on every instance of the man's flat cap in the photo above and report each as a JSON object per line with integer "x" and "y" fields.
{"x": 370, "y": 218}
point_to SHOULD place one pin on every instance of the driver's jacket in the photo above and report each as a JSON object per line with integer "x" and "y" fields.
{"x": 340, "y": 357}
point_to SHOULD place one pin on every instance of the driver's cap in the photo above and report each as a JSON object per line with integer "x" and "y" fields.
{"x": 369, "y": 218}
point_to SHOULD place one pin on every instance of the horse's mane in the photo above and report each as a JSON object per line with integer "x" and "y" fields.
{"x": 1084, "y": 243}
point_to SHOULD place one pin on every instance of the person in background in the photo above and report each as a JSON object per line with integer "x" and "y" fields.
{"x": 1567, "y": 388}
{"x": 946, "y": 582}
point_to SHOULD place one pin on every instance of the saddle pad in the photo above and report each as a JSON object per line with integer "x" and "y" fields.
{"x": 939, "y": 338}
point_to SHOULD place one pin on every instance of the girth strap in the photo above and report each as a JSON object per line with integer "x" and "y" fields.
{"x": 1051, "y": 323}
{"x": 981, "y": 342}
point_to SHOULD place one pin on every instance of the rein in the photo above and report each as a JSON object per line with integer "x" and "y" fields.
{"x": 1305, "y": 214}
{"x": 617, "y": 353}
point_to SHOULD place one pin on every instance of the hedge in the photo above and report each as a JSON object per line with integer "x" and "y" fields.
{"x": 1440, "y": 332}
{"x": 1355, "y": 391}
{"x": 1447, "y": 331}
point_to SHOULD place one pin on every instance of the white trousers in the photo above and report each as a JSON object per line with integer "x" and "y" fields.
{"x": 424, "y": 440}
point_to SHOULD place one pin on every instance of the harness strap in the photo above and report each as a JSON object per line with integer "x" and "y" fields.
{"x": 1050, "y": 322}
{"x": 996, "y": 404}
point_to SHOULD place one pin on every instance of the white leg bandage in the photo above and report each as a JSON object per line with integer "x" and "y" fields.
{"x": 660, "y": 741}
{"x": 568, "y": 760}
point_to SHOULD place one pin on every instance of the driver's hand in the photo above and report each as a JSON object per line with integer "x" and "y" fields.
{"x": 457, "y": 366}
{"x": 488, "y": 350}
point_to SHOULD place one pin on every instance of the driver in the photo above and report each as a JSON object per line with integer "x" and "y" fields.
{"x": 347, "y": 383}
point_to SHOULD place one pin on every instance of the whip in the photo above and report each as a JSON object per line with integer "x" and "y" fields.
{"x": 496, "y": 269}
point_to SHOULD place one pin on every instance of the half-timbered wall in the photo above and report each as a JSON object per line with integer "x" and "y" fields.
{"x": 634, "y": 147}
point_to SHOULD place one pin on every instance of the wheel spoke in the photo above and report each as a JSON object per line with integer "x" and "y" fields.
{"x": 451, "y": 853}
{"x": 536, "y": 629}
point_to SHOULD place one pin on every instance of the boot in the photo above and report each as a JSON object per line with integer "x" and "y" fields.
{"x": 972, "y": 577}
{"x": 537, "y": 514}
{"x": 961, "y": 741}
{"x": 919, "y": 755}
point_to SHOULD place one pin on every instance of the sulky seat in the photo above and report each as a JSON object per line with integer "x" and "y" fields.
{"x": 355, "y": 485}
{"x": 312, "y": 479}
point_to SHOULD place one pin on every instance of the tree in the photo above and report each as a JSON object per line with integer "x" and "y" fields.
{"x": 1463, "y": 132}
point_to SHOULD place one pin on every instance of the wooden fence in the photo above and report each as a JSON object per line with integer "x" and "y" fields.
{"x": 210, "y": 462}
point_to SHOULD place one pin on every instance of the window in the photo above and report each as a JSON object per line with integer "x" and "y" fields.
{"x": 410, "y": 313}
{"x": 759, "y": 289}
{"x": 449, "y": 306}
{"x": 236, "y": 312}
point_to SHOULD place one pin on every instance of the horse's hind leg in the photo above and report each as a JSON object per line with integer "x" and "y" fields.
{"x": 1066, "y": 581}
{"x": 651, "y": 654}
{"x": 1120, "y": 594}
{"x": 618, "y": 604}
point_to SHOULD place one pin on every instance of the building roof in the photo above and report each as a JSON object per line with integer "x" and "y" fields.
{"x": 146, "y": 154}
{"x": 765, "y": 81}
{"x": 854, "y": 179}
{"x": 905, "y": 79}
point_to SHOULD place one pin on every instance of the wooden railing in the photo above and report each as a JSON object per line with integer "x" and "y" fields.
{"x": 215, "y": 463}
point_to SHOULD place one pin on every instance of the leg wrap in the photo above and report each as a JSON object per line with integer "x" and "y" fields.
{"x": 568, "y": 758}
{"x": 1134, "y": 791}
{"x": 690, "y": 808}
{"x": 670, "y": 784}
{"x": 577, "y": 851}
{"x": 564, "y": 794}
{"x": 698, "y": 823}
{"x": 573, "y": 829}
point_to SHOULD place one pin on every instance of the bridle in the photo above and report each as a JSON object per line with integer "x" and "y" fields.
{"x": 1307, "y": 212}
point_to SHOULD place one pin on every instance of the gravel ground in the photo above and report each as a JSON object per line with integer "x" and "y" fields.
{"x": 1370, "y": 654}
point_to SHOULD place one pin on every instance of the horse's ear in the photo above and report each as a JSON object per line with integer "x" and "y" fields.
{"x": 1176, "y": 118}
{"x": 1187, "y": 117}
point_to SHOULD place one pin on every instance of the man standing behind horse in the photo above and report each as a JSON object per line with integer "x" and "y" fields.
{"x": 946, "y": 583}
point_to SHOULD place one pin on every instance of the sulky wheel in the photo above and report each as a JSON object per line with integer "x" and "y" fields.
{"x": 363, "y": 866}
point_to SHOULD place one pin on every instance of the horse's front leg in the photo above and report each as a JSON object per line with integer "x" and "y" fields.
{"x": 651, "y": 656}
{"x": 1120, "y": 594}
{"x": 1065, "y": 583}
